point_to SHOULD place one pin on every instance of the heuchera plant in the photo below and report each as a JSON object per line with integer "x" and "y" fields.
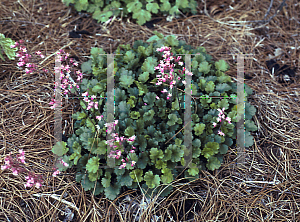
{"x": 154, "y": 125}
{"x": 141, "y": 9}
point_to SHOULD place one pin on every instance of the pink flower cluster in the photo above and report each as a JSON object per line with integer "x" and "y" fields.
{"x": 16, "y": 169}
{"x": 91, "y": 104}
{"x": 168, "y": 66}
{"x": 66, "y": 78}
{"x": 14, "y": 165}
{"x": 24, "y": 58}
{"x": 219, "y": 119}
{"x": 115, "y": 143}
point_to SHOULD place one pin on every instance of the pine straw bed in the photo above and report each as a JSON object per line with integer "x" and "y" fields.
{"x": 265, "y": 189}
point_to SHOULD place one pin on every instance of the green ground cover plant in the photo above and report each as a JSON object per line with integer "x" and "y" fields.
{"x": 149, "y": 118}
{"x": 141, "y": 10}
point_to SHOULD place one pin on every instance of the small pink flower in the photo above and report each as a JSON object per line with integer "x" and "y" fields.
{"x": 164, "y": 91}
{"x": 132, "y": 163}
{"x": 4, "y": 167}
{"x": 96, "y": 105}
{"x": 99, "y": 117}
{"x": 56, "y": 172}
{"x": 228, "y": 119}
{"x": 122, "y": 166}
{"x": 221, "y": 133}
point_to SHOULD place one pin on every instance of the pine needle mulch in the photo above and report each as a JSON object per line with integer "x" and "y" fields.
{"x": 266, "y": 188}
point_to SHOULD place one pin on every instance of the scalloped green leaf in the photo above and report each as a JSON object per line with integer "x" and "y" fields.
{"x": 199, "y": 128}
{"x": 210, "y": 149}
{"x": 152, "y": 7}
{"x": 149, "y": 64}
{"x": 143, "y": 77}
{"x": 160, "y": 164}
{"x": 250, "y": 110}
{"x": 223, "y": 103}
{"x": 177, "y": 153}
{"x": 152, "y": 181}
{"x": 125, "y": 180}
{"x": 167, "y": 176}
{"x": 142, "y": 16}
{"x": 156, "y": 154}
{"x": 210, "y": 87}
{"x": 250, "y": 125}
{"x": 112, "y": 191}
{"x": 60, "y": 148}
{"x": 204, "y": 67}
{"x": 126, "y": 79}
{"x": 223, "y": 149}
{"x": 134, "y": 115}
{"x": 105, "y": 181}
{"x": 129, "y": 56}
{"x": 193, "y": 169}
{"x": 136, "y": 175}
{"x": 165, "y": 6}
{"x": 134, "y": 6}
{"x": 149, "y": 115}
{"x": 222, "y": 65}
{"x": 213, "y": 163}
{"x": 93, "y": 164}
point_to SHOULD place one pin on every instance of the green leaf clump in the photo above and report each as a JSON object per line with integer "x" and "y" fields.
{"x": 157, "y": 123}
{"x": 141, "y": 10}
